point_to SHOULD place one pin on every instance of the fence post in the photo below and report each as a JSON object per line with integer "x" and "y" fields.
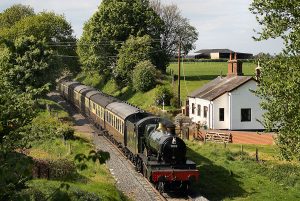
{"x": 256, "y": 154}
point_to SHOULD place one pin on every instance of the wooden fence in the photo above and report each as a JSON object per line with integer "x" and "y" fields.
{"x": 218, "y": 137}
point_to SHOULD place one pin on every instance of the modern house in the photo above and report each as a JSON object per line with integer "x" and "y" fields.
{"x": 219, "y": 54}
{"x": 227, "y": 102}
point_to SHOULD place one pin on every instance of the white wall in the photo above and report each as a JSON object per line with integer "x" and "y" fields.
{"x": 215, "y": 55}
{"x": 195, "y": 117}
{"x": 221, "y": 102}
{"x": 242, "y": 97}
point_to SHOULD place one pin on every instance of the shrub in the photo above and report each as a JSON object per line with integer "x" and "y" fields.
{"x": 144, "y": 76}
{"x": 163, "y": 93}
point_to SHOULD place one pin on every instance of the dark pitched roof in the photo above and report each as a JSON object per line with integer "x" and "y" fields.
{"x": 208, "y": 51}
{"x": 219, "y": 86}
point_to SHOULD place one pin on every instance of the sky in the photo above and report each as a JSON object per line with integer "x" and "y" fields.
{"x": 220, "y": 23}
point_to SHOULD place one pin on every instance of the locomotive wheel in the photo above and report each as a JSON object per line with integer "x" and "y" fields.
{"x": 139, "y": 165}
{"x": 161, "y": 187}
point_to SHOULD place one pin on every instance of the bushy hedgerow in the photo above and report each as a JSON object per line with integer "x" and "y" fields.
{"x": 163, "y": 93}
{"x": 144, "y": 76}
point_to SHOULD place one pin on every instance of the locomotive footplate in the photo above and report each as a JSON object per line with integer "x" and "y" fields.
{"x": 164, "y": 172}
{"x": 171, "y": 175}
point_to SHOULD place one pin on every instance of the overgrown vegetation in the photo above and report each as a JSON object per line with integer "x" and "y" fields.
{"x": 279, "y": 82}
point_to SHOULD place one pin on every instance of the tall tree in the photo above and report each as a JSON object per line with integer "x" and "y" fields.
{"x": 177, "y": 29}
{"x": 27, "y": 63}
{"x": 54, "y": 30}
{"x": 280, "y": 76}
{"x": 110, "y": 26}
{"x": 14, "y": 14}
{"x": 16, "y": 111}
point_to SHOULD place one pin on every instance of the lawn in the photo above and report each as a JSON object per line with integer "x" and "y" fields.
{"x": 195, "y": 74}
{"x": 229, "y": 174}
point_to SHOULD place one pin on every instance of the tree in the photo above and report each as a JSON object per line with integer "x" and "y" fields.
{"x": 144, "y": 76}
{"x": 134, "y": 50}
{"x": 16, "y": 112}
{"x": 110, "y": 26}
{"x": 177, "y": 29}
{"x": 279, "y": 82}
{"x": 279, "y": 90}
{"x": 27, "y": 63}
{"x": 54, "y": 30}
{"x": 279, "y": 19}
{"x": 14, "y": 14}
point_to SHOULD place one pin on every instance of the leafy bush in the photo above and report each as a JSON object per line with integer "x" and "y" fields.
{"x": 163, "y": 94}
{"x": 66, "y": 131}
{"x": 144, "y": 76}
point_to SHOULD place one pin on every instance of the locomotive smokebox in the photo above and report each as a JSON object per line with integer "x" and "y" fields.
{"x": 163, "y": 143}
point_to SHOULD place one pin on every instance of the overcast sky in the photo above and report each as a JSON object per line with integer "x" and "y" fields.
{"x": 220, "y": 23}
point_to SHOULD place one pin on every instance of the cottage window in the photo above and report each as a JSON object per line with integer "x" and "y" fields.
{"x": 193, "y": 108}
{"x": 221, "y": 114}
{"x": 199, "y": 110}
{"x": 205, "y": 109}
{"x": 246, "y": 114}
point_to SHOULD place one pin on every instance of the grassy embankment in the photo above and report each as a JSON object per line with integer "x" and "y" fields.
{"x": 196, "y": 75}
{"x": 93, "y": 181}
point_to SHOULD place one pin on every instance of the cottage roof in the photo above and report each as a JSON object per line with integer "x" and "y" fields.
{"x": 219, "y": 86}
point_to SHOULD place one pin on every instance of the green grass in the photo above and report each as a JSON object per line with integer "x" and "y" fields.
{"x": 195, "y": 75}
{"x": 228, "y": 174}
{"x": 96, "y": 179}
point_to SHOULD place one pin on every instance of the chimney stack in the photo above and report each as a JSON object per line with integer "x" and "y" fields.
{"x": 235, "y": 66}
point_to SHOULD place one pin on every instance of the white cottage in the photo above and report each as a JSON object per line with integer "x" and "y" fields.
{"x": 227, "y": 102}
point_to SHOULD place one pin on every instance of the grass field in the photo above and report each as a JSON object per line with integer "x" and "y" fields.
{"x": 229, "y": 174}
{"x": 195, "y": 75}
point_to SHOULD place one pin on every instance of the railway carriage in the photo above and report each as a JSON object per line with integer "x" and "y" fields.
{"x": 98, "y": 102}
{"x": 89, "y": 104}
{"x": 148, "y": 141}
{"x": 78, "y": 95}
{"x": 117, "y": 114}
{"x": 84, "y": 106}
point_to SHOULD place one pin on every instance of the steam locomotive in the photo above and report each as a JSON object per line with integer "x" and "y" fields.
{"x": 147, "y": 140}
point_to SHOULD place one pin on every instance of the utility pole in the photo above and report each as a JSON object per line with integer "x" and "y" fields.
{"x": 179, "y": 55}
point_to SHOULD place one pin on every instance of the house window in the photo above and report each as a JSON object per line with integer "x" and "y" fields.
{"x": 221, "y": 114}
{"x": 193, "y": 108}
{"x": 246, "y": 114}
{"x": 199, "y": 110}
{"x": 205, "y": 109}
